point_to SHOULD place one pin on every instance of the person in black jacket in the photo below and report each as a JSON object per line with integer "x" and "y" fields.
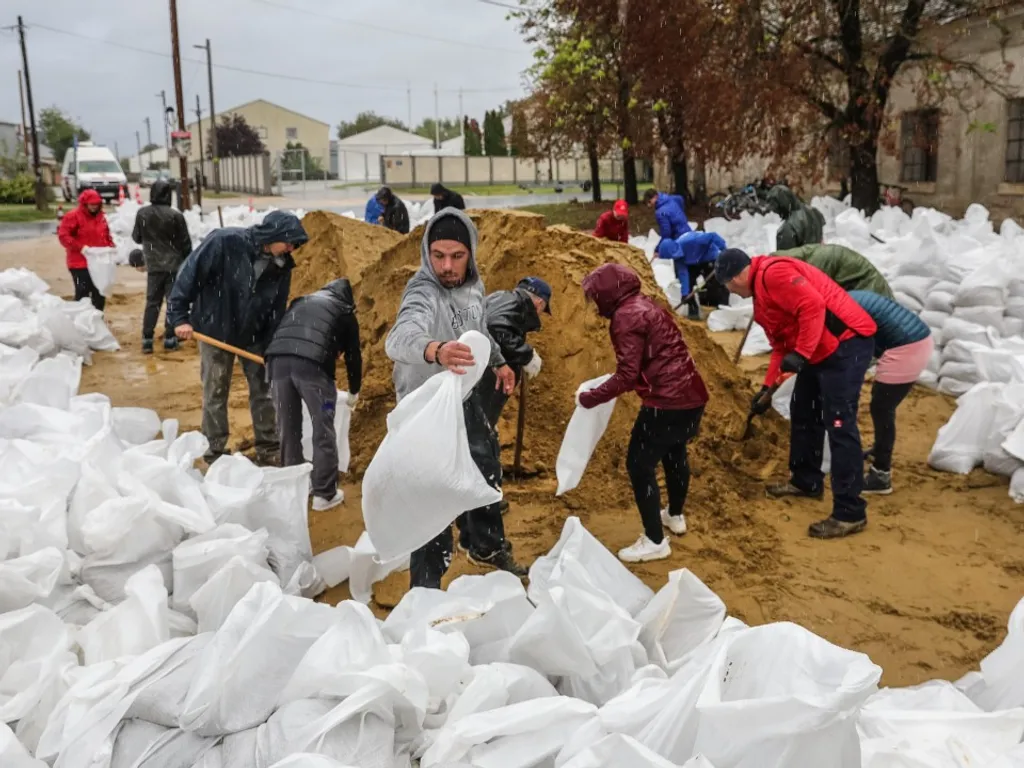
{"x": 316, "y": 330}
{"x": 395, "y": 215}
{"x": 446, "y": 198}
{"x": 163, "y": 235}
{"x": 234, "y": 288}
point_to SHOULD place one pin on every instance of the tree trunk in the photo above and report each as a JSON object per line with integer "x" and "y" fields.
{"x": 595, "y": 173}
{"x": 864, "y": 175}
{"x": 631, "y": 195}
{"x": 626, "y": 135}
{"x": 680, "y": 177}
{"x": 700, "y": 182}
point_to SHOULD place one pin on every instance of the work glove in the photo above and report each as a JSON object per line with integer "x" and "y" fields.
{"x": 761, "y": 402}
{"x": 136, "y": 259}
{"x": 350, "y": 401}
{"x": 793, "y": 362}
{"x": 532, "y": 368}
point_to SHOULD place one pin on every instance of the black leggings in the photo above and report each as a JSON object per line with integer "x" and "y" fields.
{"x": 660, "y": 436}
{"x": 885, "y": 399}
{"x": 84, "y": 287}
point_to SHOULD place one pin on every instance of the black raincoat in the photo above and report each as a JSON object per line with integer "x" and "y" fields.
{"x": 396, "y": 215}
{"x": 510, "y": 316}
{"x": 162, "y": 231}
{"x": 802, "y": 225}
{"x": 449, "y": 199}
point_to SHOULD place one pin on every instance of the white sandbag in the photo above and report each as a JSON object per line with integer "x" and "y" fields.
{"x": 605, "y": 570}
{"x": 28, "y": 579}
{"x": 757, "y": 342}
{"x": 13, "y": 754}
{"x": 928, "y": 379}
{"x": 997, "y": 365}
{"x": 41, "y": 481}
{"x": 1000, "y": 683}
{"x": 342, "y": 417}
{"x": 126, "y": 527}
{"x": 89, "y": 321}
{"x": 172, "y": 490}
{"x": 960, "y": 444}
{"x": 33, "y": 645}
{"x": 783, "y": 397}
{"x": 53, "y": 382}
{"x": 939, "y": 301}
{"x": 15, "y": 365}
{"x": 956, "y": 329}
{"x": 231, "y": 484}
{"x": 21, "y": 282}
{"x": 102, "y": 267}
{"x": 960, "y": 351}
{"x": 213, "y": 601}
{"x": 160, "y": 694}
{"x": 499, "y": 685}
{"x": 680, "y": 618}
{"x": 1017, "y": 486}
{"x": 730, "y": 318}
{"x": 965, "y": 372}
{"x": 986, "y": 285}
{"x": 779, "y": 695}
{"x": 307, "y": 760}
{"x": 442, "y": 660}
{"x": 424, "y": 463}
{"x": 1013, "y": 327}
{"x": 1008, "y": 410}
{"x": 132, "y": 627}
{"x": 1015, "y": 307}
{"x": 136, "y": 426}
{"x": 985, "y": 316}
{"x": 360, "y": 564}
{"x": 145, "y": 745}
{"x": 936, "y": 320}
{"x": 586, "y": 427}
{"x": 917, "y": 288}
{"x": 66, "y": 335}
{"x": 619, "y": 750}
{"x": 108, "y": 575}
{"x": 196, "y": 560}
{"x": 908, "y": 301}
{"x": 955, "y": 387}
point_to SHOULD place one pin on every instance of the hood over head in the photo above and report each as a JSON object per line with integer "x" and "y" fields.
{"x": 161, "y": 192}
{"x": 783, "y": 200}
{"x": 669, "y": 249}
{"x": 427, "y": 268}
{"x": 609, "y": 285}
{"x": 438, "y": 189}
{"x": 279, "y": 227}
{"x": 90, "y": 197}
{"x": 384, "y": 195}
{"x": 341, "y": 289}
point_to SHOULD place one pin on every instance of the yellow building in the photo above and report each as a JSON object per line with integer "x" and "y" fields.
{"x": 276, "y": 126}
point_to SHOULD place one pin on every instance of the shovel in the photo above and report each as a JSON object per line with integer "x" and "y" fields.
{"x": 748, "y": 428}
{"x": 226, "y": 347}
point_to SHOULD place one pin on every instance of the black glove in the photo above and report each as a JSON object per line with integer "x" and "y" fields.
{"x": 793, "y": 362}
{"x": 761, "y": 402}
{"x": 136, "y": 259}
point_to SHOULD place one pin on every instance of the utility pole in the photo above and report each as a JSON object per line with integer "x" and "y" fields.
{"x": 24, "y": 128}
{"x": 163, "y": 119}
{"x": 40, "y": 187}
{"x": 202, "y": 167}
{"x": 214, "y": 149}
{"x": 408, "y": 102}
{"x": 462, "y": 122}
{"x": 117, "y": 152}
{"x": 180, "y": 101}
{"x": 149, "y": 133}
{"x": 437, "y": 122}
{"x": 138, "y": 145}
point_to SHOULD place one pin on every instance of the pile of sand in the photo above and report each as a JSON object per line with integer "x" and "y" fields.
{"x": 338, "y": 247}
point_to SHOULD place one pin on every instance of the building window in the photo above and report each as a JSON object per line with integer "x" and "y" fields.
{"x": 920, "y": 145}
{"x": 291, "y": 133}
{"x": 1015, "y": 141}
{"x": 262, "y": 131}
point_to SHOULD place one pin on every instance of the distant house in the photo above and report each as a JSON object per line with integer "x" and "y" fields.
{"x": 12, "y": 148}
{"x": 277, "y": 127}
{"x": 357, "y": 158}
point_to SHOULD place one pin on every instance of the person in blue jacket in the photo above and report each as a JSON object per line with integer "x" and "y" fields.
{"x": 374, "y": 211}
{"x": 234, "y": 288}
{"x": 669, "y": 212}
{"x": 693, "y": 254}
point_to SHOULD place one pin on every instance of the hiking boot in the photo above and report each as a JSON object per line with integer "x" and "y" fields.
{"x": 645, "y": 550}
{"x": 693, "y": 314}
{"x": 501, "y": 560}
{"x": 877, "y": 482}
{"x": 830, "y": 528}
{"x": 782, "y": 490}
{"x": 320, "y": 504}
{"x": 503, "y": 506}
{"x": 147, "y": 346}
{"x": 675, "y": 523}
{"x": 170, "y": 343}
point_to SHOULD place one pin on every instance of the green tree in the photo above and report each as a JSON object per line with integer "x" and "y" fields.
{"x": 366, "y": 121}
{"x": 449, "y": 128}
{"x": 474, "y": 144}
{"x": 494, "y": 134}
{"x": 58, "y": 130}
{"x": 296, "y": 156}
{"x": 150, "y": 148}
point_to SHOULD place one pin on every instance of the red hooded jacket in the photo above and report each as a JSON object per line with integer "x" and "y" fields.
{"x": 80, "y": 229}
{"x": 610, "y": 228}
{"x": 802, "y": 310}
{"x": 651, "y": 357}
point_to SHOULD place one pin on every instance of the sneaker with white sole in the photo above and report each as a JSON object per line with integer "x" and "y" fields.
{"x": 321, "y": 504}
{"x": 645, "y": 550}
{"x": 675, "y": 523}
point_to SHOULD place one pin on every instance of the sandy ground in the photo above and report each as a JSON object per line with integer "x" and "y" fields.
{"x": 925, "y": 591}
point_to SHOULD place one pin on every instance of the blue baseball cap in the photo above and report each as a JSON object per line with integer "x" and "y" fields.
{"x": 537, "y": 287}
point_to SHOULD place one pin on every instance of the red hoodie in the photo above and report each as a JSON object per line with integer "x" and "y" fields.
{"x": 610, "y": 228}
{"x": 651, "y": 357}
{"x": 80, "y": 229}
{"x": 802, "y": 310}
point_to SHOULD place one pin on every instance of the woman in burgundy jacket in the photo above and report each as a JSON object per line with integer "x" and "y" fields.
{"x": 652, "y": 360}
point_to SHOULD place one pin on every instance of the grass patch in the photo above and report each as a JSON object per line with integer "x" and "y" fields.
{"x": 20, "y": 214}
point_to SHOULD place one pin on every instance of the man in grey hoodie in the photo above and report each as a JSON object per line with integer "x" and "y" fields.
{"x": 443, "y": 300}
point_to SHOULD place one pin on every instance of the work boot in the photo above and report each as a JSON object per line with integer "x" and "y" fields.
{"x": 170, "y": 343}
{"x": 877, "y": 482}
{"x": 675, "y": 523}
{"x": 503, "y": 506}
{"x": 645, "y": 550}
{"x": 501, "y": 560}
{"x": 830, "y": 528}
{"x": 320, "y": 504}
{"x": 782, "y": 490}
{"x": 147, "y": 346}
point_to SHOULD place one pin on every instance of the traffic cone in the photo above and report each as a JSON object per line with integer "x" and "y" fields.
{"x": 251, "y": 209}
{"x": 60, "y": 212}
{"x": 138, "y": 195}
{"x": 120, "y": 195}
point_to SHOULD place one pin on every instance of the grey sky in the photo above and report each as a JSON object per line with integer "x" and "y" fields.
{"x": 376, "y": 43}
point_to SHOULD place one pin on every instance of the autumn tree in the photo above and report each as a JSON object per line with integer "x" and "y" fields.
{"x": 236, "y": 138}
{"x": 473, "y": 144}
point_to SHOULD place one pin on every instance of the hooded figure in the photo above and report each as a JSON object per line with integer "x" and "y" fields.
{"x": 396, "y": 215}
{"x": 373, "y": 211}
{"x": 85, "y": 227}
{"x": 234, "y": 288}
{"x": 445, "y": 198}
{"x": 693, "y": 255}
{"x": 852, "y": 271}
{"x": 436, "y": 310}
{"x": 316, "y": 330}
{"x": 163, "y": 235}
{"x": 801, "y": 225}
{"x": 652, "y": 360}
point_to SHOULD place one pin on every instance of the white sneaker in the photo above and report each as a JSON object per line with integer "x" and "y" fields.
{"x": 645, "y": 550}
{"x": 321, "y": 504}
{"x": 675, "y": 524}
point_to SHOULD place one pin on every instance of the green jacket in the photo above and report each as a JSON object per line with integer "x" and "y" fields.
{"x": 802, "y": 224}
{"x": 852, "y": 271}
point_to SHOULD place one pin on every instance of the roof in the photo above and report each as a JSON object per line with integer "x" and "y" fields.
{"x": 385, "y": 134}
{"x": 231, "y": 111}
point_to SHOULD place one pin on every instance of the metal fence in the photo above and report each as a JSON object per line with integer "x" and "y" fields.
{"x": 417, "y": 171}
{"x": 250, "y": 174}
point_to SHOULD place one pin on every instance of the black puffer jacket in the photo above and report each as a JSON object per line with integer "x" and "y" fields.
{"x": 396, "y": 215}
{"x": 510, "y": 316}
{"x": 321, "y": 326}
{"x": 161, "y": 231}
{"x": 449, "y": 199}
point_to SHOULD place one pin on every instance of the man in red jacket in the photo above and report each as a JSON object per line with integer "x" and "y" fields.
{"x": 652, "y": 360}
{"x": 614, "y": 224}
{"x": 85, "y": 227}
{"x": 823, "y": 336}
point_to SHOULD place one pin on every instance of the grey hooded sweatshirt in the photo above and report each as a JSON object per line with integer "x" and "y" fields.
{"x": 431, "y": 312}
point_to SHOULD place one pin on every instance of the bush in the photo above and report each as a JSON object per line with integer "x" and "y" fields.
{"x": 19, "y": 189}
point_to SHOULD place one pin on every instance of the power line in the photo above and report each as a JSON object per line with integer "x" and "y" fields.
{"x": 500, "y": 5}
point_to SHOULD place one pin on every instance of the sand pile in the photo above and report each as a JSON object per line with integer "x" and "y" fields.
{"x": 338, "y": 247}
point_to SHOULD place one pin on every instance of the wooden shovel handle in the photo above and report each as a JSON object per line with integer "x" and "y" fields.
{"x": 226, "y": 347}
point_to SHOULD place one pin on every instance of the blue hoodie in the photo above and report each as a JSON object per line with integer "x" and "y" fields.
{"x": 374, "y": 210}
{"x": 670, "y": 213}
{"x": 688, "y": 250}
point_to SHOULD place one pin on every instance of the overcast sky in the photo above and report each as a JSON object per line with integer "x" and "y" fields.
{"x": 378, "y": 45}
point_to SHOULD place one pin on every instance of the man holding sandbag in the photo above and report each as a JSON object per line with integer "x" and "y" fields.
{"x": 442, "y": 301}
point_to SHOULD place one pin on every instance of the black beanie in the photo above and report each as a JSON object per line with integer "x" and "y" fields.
{"x": 437, "y": 189}
{"x": 450, "y": 228}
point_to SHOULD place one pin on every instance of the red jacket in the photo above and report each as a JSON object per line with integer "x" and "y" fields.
{"x": 651, "y": 357}
{"x": 80, "y": 229}
{"x": 610, "y": 228}
{"x": 802, "y": 310}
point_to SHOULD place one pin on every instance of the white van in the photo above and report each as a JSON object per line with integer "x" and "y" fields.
{"x": 92, "y": 167}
